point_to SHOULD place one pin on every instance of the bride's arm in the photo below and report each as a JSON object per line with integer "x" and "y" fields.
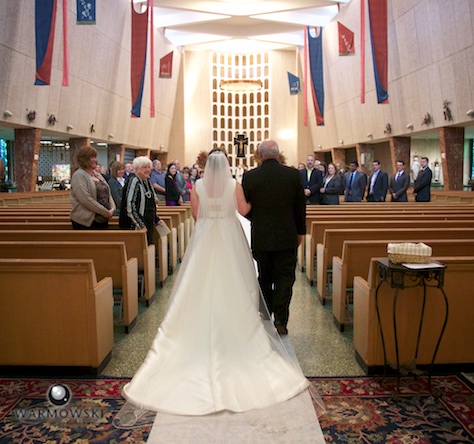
{"x": 194, "y": 203}
{"x": 243, "y": 207}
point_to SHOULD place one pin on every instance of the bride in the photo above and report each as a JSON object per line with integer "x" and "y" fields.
{"x": 217, "y": 349}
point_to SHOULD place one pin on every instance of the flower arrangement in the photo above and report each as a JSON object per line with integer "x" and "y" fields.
{"x": 202, "y": 159}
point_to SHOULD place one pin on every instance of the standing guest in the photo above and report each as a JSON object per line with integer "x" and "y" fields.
{"x": 322, "y": 167}
{"x": 377, "y": 185}
{"x": 355, "y": 183}
{"x": 278, "y": 226}
{"x": 173, "y": 194}
{"x": 399, "y": 183}
{"x": 140, "y": 199}
{"x": 128, "y": 170}
{"x": 311, "y": 180}
{"x": 157, "y": 178}
{"x": 180, "y": 178}
{"x": 116, "y": 184}
{"x": 189, "y": 186}
{"x": 194, "y": 175}
{"x": 92, "y": 203}
{"x": 301, "y": 166}
{"x": 332, "y": 187}
{"x": 422, "y": 186}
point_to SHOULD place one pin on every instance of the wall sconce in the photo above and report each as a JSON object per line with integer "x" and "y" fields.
{"x": 341, "y": 142}
{"x": 369, "y": 135}
{"x": 447, "y": 111}
{"x": 7, "y": 113}
{"x": 31, "y": 116}
{"x": 111, "y": 136}
{"x": 470, "y": 113}
{"x": 92, "y": 129}
{"x": 161, "y": 148}
{"x": 426, "y": 119}
{"x": 388, "y": 129}
{"x": 52, "y": 119}
{"x": 320, "y": 146}
{"x": 69, "y": 127}
{"x": 410, "y": 126}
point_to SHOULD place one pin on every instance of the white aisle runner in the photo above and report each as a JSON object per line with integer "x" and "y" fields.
{"x": 255, "y": 427}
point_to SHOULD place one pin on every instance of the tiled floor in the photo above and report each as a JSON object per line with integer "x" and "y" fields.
{"x": 320, "y": 348}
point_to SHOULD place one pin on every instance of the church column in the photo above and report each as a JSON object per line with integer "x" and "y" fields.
{"x": 400, "y": 150}
{"x": 451, "y": 141}
{"x": 115, "y": 152}
{"x": 339, "y": 157}
{"x": 74, "y": 145}
{"x": 365, "y": 157}
{"x": 27, "y": 149}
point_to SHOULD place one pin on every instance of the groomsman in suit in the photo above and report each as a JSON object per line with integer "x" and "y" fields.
{"x": 399, "y": 183}
{"x": 355, "y": 183}
{"x": 277, "y": 226}
{"x": 422, "y": 186}
{"x": 378, "y": 184}
{"x": 312, "y": 181}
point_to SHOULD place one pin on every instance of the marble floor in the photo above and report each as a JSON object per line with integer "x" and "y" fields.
{"x": 319, "y": 346}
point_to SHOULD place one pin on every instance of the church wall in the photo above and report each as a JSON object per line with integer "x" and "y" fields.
{"x": 99, "y": 91}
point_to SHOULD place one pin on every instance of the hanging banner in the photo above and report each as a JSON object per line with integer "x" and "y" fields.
{"x": 378, "y": 19}
{"x": 45, "y": 21}
{"x": 362, "y": 51}
{"x": 152, "y": 60}
{"x": 294, "y": 83}
{"x": 346, "y": 40}
{"x": 166, "y": 66}
{"x": 138, "y": 58}
{"x": 315, "y": 78}
{"x": 85, "y": 12}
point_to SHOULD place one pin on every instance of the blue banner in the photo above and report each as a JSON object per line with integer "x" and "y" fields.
{"x": 294, "y": 83}
{"x": 85, "y": 12}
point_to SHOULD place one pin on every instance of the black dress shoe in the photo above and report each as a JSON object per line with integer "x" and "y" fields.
{"x": 282, "y": 330}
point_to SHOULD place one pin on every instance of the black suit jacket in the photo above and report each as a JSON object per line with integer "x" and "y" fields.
{"x": 380, "y": 187}
{"x": 278, "y": 206}
{"x": 314, "y": 183}
{"x": 422, "y": 186}
{"x": 356, "y": 194}
{"x": 399, "y": 187}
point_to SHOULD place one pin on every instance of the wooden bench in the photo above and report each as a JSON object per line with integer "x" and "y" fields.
{"x": 356, "y": 256}
{"x": 54, "y": 313}
{"x": 110, "y": 260}
{"x": 135, "y": 242}
{"x": 456, "y": 352}
{"x": 318, "y": 229}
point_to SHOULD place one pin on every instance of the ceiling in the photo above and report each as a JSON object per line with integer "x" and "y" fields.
{"x": 240, "y": 25}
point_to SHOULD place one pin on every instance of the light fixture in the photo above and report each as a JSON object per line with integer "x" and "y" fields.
{"x": 111, "y": 136}
{"x": 369, "y": 135}
{"x": 470, "y": 113}
{"x": 320, "y": 146}
{"x": 410, "y": 126}
{"x": 240, "y": 85}
{"x": 69, "y": 127}
{"x": 7, "y": 113}
{"x": 341, "y": 142}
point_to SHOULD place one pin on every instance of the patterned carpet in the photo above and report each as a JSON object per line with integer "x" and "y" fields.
{"x": 358, "y": 410}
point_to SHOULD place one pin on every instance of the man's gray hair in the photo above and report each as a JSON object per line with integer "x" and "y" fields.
{"x": 268, "y": 149}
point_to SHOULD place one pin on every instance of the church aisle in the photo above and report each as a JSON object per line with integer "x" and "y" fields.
{"x": 319, "y": 346}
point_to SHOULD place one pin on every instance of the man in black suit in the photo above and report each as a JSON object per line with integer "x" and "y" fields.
{"x": 354, "y": 183}
{"x": 278, "y": 226}
{"x": 377, "y": 185}
{"x": 422, "y": 186}
{"x": 312, "y": 181}
{"x": 399, "y": 183}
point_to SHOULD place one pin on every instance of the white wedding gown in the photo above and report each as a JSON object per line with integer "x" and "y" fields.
{"x": 214, "y": 351}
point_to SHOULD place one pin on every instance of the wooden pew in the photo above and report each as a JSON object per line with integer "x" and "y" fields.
{"x": 54, "y": 314}
{"x": 356, "y": 256}
{"x": 110, "y": 260}
{"x": 318, "y": 228}
{"x": 135, "y": 241}
{"x": 456, "y": 347}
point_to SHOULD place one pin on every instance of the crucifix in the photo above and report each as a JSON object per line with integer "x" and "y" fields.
{"x": 241, "y": 141}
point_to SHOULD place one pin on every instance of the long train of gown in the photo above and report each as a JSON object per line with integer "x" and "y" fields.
{"x": 214, "y": 351}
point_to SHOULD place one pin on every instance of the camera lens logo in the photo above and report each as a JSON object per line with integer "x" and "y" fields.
{"x": 59, "y": 395}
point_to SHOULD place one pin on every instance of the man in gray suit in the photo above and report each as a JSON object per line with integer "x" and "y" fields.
{"x": 399, "y": 184}
{"x": 354, "y": 183}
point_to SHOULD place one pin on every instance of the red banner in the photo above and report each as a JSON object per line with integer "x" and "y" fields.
{"x": 166, "y": 66}
{"x": 346, "y": 40}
